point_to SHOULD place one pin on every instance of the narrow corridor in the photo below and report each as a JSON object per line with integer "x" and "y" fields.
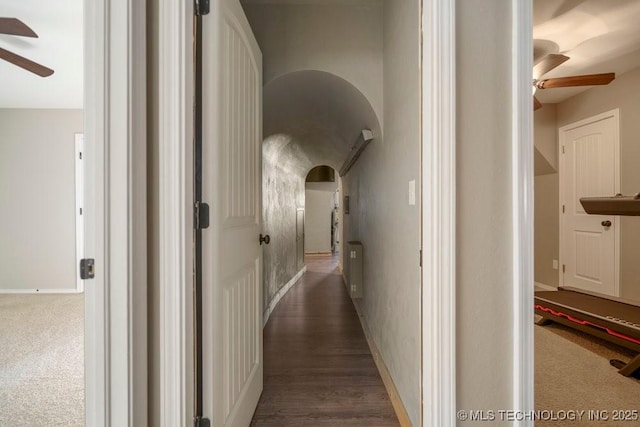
{"x": 318, "y": 369}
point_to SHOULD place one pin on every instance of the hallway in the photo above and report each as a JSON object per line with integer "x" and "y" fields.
{"x": 318, "y": 369}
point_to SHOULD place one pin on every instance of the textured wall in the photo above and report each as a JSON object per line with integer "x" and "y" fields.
{"x": 37, "y": 189}
{"x": 380, "y": 215}
{"x": 283, "y": 175}
{"x": 622, "y": 94}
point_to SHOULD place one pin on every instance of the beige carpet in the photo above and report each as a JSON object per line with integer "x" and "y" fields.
{"x": 41, "y": 360}
{"x": 572, "y": 372}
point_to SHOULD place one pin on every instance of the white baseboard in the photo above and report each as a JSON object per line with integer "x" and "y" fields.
{"x": 545, "y": 287}
{"x": 394, "y": 396}
{"x": 40, "y": 291}
{"x": 278, "y": 296}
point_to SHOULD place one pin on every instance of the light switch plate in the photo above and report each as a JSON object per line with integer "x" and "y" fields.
{"x": 412, "y": 192}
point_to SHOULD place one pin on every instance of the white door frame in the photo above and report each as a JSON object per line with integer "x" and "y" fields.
{"x": 175, "y": 192}
{"x": 439, "y": 212}
{"x": 438, "y": 209}
{"x": 79, "y": 212}
{"x": 615, "y": 113}
{"x": 115, "y": 235}
{"x": 522, "y": 181}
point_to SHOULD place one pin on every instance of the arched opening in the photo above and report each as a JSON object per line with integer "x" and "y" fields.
{"x": 311, "y": 118}
{"x": 322, "y": 211}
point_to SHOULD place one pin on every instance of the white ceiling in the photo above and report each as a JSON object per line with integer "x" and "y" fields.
{"x": 600, "y": 36}
{"x": 59, "y": 25}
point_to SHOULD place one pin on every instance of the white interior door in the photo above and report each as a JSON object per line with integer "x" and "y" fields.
{"x": 589, "y": 246}
{"x": 232, "y": 258}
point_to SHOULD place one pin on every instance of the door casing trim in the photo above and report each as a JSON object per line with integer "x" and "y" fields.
{"x": 175, "y": 218}
{"x": 115, "y": 236}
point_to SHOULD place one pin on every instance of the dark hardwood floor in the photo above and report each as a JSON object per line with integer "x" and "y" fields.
{"x": 318, "y": 369}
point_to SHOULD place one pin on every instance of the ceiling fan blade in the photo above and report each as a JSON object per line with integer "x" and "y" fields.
{"x": 547, "y": 64}
{"x": 588, "y": 80}
{"x": 25, "y": 63}
{"x": 536, "y": 104}
{"x": 15, "y": 27}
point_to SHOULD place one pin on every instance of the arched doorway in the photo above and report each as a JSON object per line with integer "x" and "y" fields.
{"x": 322, "y": 211}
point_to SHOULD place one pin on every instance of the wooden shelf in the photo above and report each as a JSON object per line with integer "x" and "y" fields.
{"x": 616, "y": 205}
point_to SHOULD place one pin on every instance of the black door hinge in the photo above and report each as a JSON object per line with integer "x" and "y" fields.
{"x": 201, "y": 216}
{"x": 201, "y": 7}
{"x": 87, "y": 268}
{"x": 201, "y": 422}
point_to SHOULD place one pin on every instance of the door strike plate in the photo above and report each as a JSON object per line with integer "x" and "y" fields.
{"x": 87, "y": 268}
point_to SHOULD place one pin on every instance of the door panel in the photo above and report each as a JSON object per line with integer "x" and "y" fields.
{"x": 590, "y": 170}
{"x": 232, "y": 258}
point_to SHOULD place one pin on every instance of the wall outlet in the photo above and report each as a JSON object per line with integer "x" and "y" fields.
{"x": 555, "y": 264}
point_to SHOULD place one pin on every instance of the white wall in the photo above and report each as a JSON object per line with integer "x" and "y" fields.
{"x": 319, "y": 203}
{"x": 380, "y": 215}
{"x": 546, "y": 216}
{"x": 37, "y": 191}
{"x": 484, "y": 205}
{"x": 545, "y": 133}
{"x": 547, "y": 229}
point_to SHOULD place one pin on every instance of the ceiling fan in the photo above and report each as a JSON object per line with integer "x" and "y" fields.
{"x": 16, "y": 27}
{"x": 551, "y": 61}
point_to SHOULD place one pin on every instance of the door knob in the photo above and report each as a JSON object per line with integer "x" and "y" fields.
{"x": 265, "y": 239}
{"x": 606, "y": 223}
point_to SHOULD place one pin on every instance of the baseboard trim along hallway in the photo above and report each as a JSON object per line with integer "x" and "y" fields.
{"x": 394, "y": 396}
{"x": 278, "y": 296}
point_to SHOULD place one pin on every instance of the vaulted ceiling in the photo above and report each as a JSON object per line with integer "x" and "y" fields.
{"x": 599, "y": 36}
